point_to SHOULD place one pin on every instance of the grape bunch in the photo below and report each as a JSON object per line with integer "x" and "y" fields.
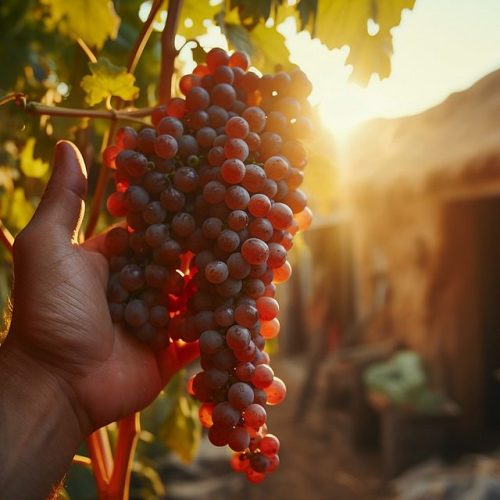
{"x": 211, "y": 201}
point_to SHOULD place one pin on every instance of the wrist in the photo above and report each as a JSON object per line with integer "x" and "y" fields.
{"x": 41, "y": 429}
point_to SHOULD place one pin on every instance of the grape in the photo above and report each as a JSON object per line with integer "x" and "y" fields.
{"x": 216, "y": 57}
{"x": 255, "y": 251}
{"x": 186, "y": 179}
{"x": 267, "y": 307}
{"x": 214, "y": 192}
{"x": 218, "y": 435}
{"x": 254, "y": 179}
{"x": 145, "y": 140}
{"x": 135, "y": 198}
{"x": 131, "y": 277}
{"x": 240, "y": 395}
{"x": 211, "y": 342}
{"x": 276, "y": 167}
{"x": 237, "y": 337}
{"x": 236, "y": 148}
{"x": 237, "y": 220}
{"x": 116, "y": 241}
{"x": 215, "y": 378}
{"x": 225, "y": 415}
{"x": 259, "y": 462}
{"x": 165, "y": 146}
{"x": 132, "y": 162}
{"x": 154, "y": 213}
{"x": 239, "y": 59}
{"x": 233, "y": 171}
{"x": 223, "y": 74}
{"x": 158, "y": 316}
{"x": 275, "y": 392}
{"x": 126, "y": 138}
{"x": 223, "y": 95}
{"x": 136, "y": 313}
{"x": 197, "y": 99}
{"x": 255, "y": 415}
{"x": 236, "y": 198}
{"x": 237, "y": 127}
{"x": 269, "y": 445}
{"x": 217, "y": 116}
{"x": 237, "y": 266}
{"x": 212, "y": 201}
{"x": 238, "y": 439}
{"x": 156, "y": 234}
{"x": 172, "y": 199}
{"x": 206, "y": 136}
{"x": 262, "y": 376}
{"x": 216, "y": 272}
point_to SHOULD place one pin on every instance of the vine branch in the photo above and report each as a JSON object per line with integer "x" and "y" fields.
{"x": 142, "y": 39}
{"x": 6, "y": 237}
{"x": 168, "y": 50}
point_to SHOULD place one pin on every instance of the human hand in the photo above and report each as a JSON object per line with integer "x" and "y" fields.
{"x": 61, "y": 324}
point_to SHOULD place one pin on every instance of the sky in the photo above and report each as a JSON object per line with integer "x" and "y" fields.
{"x": 440, "y": 47}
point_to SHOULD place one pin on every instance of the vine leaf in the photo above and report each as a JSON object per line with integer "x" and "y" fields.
{"x": 31, "y": 166}
{"x": 197, "y": 12}
{"x": 341, "y": 23}
{"x": 94, "y": 21}
{"x": 106, "y": 81}
{"x": 181, "y": 432}
{"x": 181, "y": 428}
{"x": 265, "y": 46}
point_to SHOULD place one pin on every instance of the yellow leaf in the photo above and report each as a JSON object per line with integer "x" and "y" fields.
{"x": 108, "y": 80}
{"x": 32, "y": 167}
{"x": 20, "y": 210}
{"x": 270, "y": 49}
{"x": 196, "y": 12}
{"x": 92, "y": 20}
{"x": 339, "y": 22}
{"x": 181, "y": 430}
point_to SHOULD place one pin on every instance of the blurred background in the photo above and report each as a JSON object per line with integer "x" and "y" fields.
{"x": 390, "y": 343}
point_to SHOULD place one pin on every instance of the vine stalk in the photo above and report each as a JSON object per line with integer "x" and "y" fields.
{"x": 6, "y": 237}
{"x": 169, "y": 52}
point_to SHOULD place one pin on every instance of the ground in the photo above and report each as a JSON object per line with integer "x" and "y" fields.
{"x": 318, "y": 461}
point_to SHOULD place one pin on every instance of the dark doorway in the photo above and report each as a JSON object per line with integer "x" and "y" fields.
{"x": 487, "y": 213}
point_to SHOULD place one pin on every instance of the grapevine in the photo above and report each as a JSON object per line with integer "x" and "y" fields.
{"x": 211, "y": 200}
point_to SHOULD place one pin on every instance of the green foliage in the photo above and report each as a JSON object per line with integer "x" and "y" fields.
{"x": 106, "y": 81}
{"x": 173, "y": 417}
{"x": 42, "y": 56}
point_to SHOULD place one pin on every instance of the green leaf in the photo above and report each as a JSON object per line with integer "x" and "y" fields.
{"x": 181, "y": 430}
{"x": 108, "y": 80}
{"x": 94, "y": 21}
{"x": 251, "y": 12}
{"x": 265, "y": 46}
{"x": 270, "y": 49}
{"x": 31, "y": 166}
{"x": 339, "y": 23}
{"x": 199, "y": 55}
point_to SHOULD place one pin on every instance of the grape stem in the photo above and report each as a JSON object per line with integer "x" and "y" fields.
{"x": 168, "y": 50}
{"x": 6, "y": 237}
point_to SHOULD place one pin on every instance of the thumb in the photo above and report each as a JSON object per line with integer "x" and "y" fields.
{"x": 61, "y": 208}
